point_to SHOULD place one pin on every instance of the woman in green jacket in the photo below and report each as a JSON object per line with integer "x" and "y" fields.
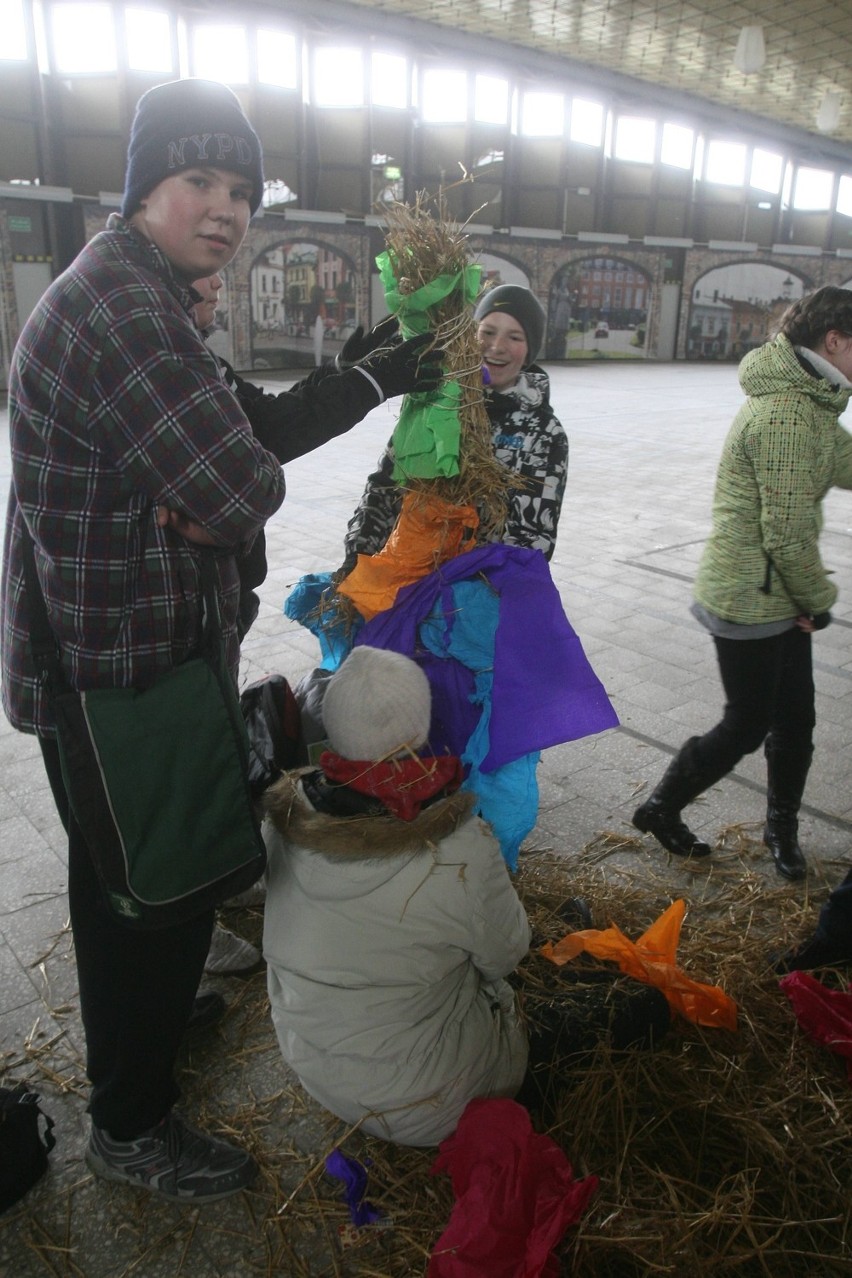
{"x": 762, "y": 588}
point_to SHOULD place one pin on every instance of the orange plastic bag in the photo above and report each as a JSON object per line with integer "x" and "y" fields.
{"x": 651, "y": 959}
{"x": 428, "y": 532}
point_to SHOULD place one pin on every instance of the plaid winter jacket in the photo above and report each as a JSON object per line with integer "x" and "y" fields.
{"x": 116, "y": 406}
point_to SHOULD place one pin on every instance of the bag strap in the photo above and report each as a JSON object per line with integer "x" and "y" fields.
{"x": 45, "y": 649}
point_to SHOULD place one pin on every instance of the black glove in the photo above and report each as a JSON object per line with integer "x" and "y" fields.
{"x": 407, "y": 367}
{"x": 359, "y": 345}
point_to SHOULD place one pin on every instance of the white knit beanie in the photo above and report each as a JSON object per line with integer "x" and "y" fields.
{"x": 377, "y": 703}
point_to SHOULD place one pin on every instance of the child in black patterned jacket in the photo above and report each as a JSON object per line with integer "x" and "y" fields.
{"x": 527, "y": 437}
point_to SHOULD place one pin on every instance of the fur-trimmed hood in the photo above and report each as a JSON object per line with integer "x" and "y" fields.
{"x": 363, "y": 838}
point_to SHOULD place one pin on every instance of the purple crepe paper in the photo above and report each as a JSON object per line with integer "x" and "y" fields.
{"x": 354, "y": 1177}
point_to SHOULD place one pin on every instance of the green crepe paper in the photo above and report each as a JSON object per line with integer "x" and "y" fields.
{"x": 426, "y": 438}
{"x": 411, "y": 308}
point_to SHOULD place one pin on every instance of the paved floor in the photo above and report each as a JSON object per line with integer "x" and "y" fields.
{"x": 644, "y": 445}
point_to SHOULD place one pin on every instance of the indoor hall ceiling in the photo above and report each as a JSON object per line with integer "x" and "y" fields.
{"x": 682, "y": 45}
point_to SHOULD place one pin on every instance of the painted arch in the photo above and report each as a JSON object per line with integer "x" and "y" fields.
{"x": 598, "y": 309}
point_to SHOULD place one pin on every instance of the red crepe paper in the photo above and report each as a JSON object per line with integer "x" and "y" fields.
{"x": 651, "y": 959}
{"x": 825, "y": 1015}
{"x": 515, "y": 1196}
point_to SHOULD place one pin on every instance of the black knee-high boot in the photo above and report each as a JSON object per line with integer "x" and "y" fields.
{"x": 787, "y": 770}
{"x": 685, "y": 778}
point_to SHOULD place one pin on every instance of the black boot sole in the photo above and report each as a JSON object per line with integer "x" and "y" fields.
{"x": 654, "y": 823}
{"x": 789, "y": 861}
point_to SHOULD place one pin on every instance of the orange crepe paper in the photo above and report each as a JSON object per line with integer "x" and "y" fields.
{"x": 428, "y": 532}
{"x": 651, "y": 959}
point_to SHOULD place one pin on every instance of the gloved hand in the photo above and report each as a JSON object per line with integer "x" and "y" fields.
{"x": 408, "y": 367}
{"x": 359, "y": 345}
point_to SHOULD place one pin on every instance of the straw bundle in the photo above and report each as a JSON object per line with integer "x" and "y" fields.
{"x": 718, "y": 1154}
{"x": 424, "y": 243}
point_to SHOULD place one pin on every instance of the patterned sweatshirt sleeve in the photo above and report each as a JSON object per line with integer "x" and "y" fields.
{"x": 535, "y": 506}
{"x": 376, "y": 513}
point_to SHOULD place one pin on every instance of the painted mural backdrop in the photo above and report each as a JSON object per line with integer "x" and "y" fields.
{"x": 598, "y": 309}
{"x": 500, "y": 270}
{"x": 735, "y": 308}
{"x": 303, "y": 304}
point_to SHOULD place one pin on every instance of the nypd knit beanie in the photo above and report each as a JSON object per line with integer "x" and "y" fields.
{"x": 377, "y": 703}
{"x": 523, "y": 306}
{"x": 186, "y": 124}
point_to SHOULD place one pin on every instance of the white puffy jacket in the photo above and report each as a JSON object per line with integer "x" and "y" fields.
{"x": 386, "y": 943}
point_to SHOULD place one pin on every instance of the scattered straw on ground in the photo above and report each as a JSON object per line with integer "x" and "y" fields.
{"x": 719, "y": 1153}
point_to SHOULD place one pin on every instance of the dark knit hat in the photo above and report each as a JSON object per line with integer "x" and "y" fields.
{"x": 522, "y": 305}
{"x": 186, "y": 124}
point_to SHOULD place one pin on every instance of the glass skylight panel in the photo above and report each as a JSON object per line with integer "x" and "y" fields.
{"x": 277, "y": 58}
{"x": 220, "y": 52}
{"x": 767, "y": 169}
{"x": 148, "y": 34}
{"x": 813, "y": 190}
{"x": 14, "y": 48}
{"x": 678, "y": 146}
{"x": 587, "y": 120}
{"x": 338, "y": 77}
{"x": 725, "y": 163}
{"x": 83, "y": 38}
{"x": 844, "y": 196}
{"x": 444, "y": 96}
{"x": 389, "y": 80}
{"x": 635, "y": 139}
{"x": 491, "y": 99}
{"x": 543, "y": 115}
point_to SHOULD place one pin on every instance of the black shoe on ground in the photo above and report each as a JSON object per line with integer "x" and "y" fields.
{"x": 667, "y": 828}
{"x": 575, "y": 913}
{"x": 788, "y": 856}
{"x": 173, "y": 1159}
{"x": 816, "y": 952}
{"x": 207, "y": 1011}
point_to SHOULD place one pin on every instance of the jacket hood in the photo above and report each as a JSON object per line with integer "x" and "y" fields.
{"x": 531, "y": 388}
{"x": 775, "y": 367}
{"x": 363, "y": 838}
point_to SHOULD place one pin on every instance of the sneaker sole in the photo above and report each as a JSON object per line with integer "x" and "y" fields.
{"x": 106, "y": 1172}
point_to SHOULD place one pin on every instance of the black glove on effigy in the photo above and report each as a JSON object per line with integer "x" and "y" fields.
{"x": 405, "y": 368}
{"x": 360, "y": 344}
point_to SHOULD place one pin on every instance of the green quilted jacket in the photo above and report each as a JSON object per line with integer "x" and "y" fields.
{"x": 783, "y": 452}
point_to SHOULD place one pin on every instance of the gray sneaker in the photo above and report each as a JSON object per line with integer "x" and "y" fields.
{"x": 230, "y": 955}
{"x": 173, "y": 1159}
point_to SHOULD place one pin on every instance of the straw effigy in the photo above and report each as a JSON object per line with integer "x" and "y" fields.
{"x": 425, "y": 248}
{"x": 423, "y": 244}
{"x": 719, "y": 1153}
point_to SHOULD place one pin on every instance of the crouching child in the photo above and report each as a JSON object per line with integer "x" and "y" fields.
{"x": 391, "y": 921}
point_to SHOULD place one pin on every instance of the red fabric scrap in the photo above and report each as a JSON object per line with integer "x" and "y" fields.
{"x": 515, "y": 1196}
{"x": 825, "y": 1015}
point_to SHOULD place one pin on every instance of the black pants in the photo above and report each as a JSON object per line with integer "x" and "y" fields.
{"x": 835, "y": 918}
{"x": 769, "y": 691}
{"x": 591, "y": 1004}
{"x": 136, "y": 990}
